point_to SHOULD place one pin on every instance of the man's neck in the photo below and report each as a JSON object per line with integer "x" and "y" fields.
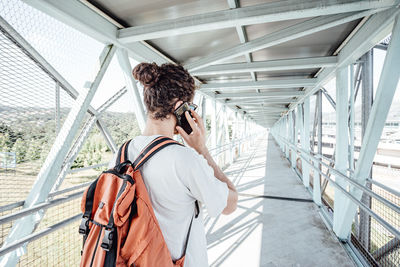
{"x": 165, "y": 127}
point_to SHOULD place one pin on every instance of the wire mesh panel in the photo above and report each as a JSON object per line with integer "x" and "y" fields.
{"x": 33, "y": 108}
{"x": 70, "y": 52}
{"x": 28, "y": 119}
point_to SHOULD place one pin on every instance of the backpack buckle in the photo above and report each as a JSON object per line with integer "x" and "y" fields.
{"x": 84, "y": 227}
{"x": 107, "y": 242}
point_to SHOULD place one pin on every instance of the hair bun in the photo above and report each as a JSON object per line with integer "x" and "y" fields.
{"x": 147, "y": 74}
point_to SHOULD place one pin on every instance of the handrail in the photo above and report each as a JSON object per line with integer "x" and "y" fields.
{"x": 17, "y": 204}
{"x": 355, "y": 183}
{"x": 55, "y": 202}
{"x": 44, "y": 205}
{"x": 384, "y": 187}
{"x": 37, "y": 235}
{"x": 307, "y": 157}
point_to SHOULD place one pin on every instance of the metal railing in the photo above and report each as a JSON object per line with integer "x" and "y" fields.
{"x": 314, "y": 161}
{"x": 55, "y": 199}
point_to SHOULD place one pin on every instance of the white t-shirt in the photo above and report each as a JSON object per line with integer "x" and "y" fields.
{"x": 175, "y": 177}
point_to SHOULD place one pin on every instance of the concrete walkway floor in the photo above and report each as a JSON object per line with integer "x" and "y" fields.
{"x": 271, "y": 232}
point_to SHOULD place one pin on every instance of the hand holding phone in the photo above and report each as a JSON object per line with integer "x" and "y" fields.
{"x": 197, "y": 138}
{"x": 181, "y": 118}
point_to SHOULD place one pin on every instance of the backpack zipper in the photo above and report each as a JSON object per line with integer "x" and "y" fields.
{"x": 95, "y": 248}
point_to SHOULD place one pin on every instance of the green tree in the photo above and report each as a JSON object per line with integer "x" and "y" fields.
{"x": 34, "y": 150}
{"x": 79, "y": 162}
{"x": 4, "y": 142}
{"x": 20, "y": 150}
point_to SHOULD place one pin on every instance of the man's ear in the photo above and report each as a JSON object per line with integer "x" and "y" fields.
{"x": 177, "y": 104}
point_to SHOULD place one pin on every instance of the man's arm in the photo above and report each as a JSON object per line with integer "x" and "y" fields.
{"x": 196, "y": 140}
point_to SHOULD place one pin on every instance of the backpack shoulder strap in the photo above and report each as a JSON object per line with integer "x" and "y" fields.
{"x": 151, "y": 149}
{"x": 122, "y": 153}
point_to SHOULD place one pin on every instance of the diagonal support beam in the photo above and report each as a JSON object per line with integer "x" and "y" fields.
{"x": 133, "y": 90}
{"x": 372, "y": 32}
{"x": 269, "y": 65}
{"x": 290, "y": 33}
{"x": 53, "y": 163}
{"x": 269, "y": 12}
{"x": 267, "y": 84}
{"x": 241, "y": 31}
{"x": 388, "y": 83}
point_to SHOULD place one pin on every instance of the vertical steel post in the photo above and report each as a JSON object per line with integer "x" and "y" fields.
{"x": 384, "y": 96}
{"x": 49, "y": 172}
{"x": 228, "y": 152}
{"x": 305, "y": 141}
{"x": 342, "y": 141}
{"x": 133, "y": 90}
{"x": 204, "y": 110}
{"x": 367, "y": 95}
{"x": 287, "y": 130}
{"x": 293, "y": 154}
{"x": 317, "y": 176}
{"x": 299, "y": 128}
{"x": 351, "y": 118}
{"x": 214, "y": 124}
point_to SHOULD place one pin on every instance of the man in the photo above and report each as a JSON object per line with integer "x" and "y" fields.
{"x": 177, "y": 176}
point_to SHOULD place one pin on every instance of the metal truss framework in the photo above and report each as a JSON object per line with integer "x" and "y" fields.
{"x": 64, "y": 150}
{"x": 85, "y": 20}
{"x": 350, "y": 182}
{"x": 275, "y": 11}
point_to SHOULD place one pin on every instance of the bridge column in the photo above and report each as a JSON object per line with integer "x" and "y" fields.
{"x": 305, "y": 140}
{"x": 384, "y": 96}
{"x": 287, "y": 134}
{"x": 298, "y": 127}
{"x": 367, "y": 94}
{"x": 131, "y": 85}
{"x": 292, "y": 138}
{"x": 317, "y": 176}
{"x": 342, "y": 140}
{"x": 213, "y": 132}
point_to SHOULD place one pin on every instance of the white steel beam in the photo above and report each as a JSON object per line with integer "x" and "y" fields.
{"x": 49, "y": 171}
{"x": 286, "y": 136}
{"x": 293, "y": 123}
{"x": 342, "y": 140}
{"x": 259, "y": 101}
{"x": 250, "y": 109}
{"x": 269, "y": 12}
{"x": 269, "y": 65}
{"x": 305, "y": 141}
{"x": 377, "y": 27}
{"x": 214, "y": 123}
{"x": 266, "y": 84}
{"x": 242, "y": 36}
{"x": 385, "y": 91}
{"x": 133, "y": 90}
{"x": 256, "y": 112}
{"x": 293, "y": 93}
{"x": 290, "y": 33}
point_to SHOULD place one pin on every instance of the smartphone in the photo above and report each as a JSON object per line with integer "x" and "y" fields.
{"x": 181, "y": 118}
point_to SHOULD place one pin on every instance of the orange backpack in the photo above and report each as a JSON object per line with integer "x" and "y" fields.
{"x": 119, "y": 226}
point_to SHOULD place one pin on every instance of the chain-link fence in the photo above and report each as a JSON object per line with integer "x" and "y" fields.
{"x": 33, "y": 107}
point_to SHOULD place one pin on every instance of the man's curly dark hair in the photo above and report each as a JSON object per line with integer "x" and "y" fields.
{"x": 163, "y": 86}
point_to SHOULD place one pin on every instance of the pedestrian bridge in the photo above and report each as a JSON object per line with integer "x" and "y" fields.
{"x": 300, "y": 100}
